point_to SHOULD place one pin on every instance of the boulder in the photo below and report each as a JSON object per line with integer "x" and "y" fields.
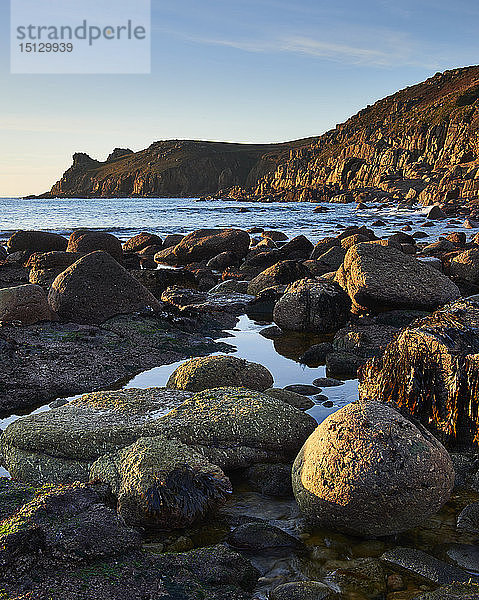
{"x": 141, "y": 241}
{"x": 204, "y": 244}
{"x": 60, "y": 445}
{"x": 231, "y": 427}
{"x": 281, "y": 273}
{"x": 46, "y": 266}
{"x": 95, "y": 288}
{"x": 299, "y": 248}
{"x": 64, "y": 524}
{"x": 84, "y": 241}
{"x": 172, "y": 240}
{"x": 302, "y": 590}
{"x": 36, "y": 241}
{"x": 294, "y": 399}
{"x": 25, "y": 304}
{"x": 465, "y": 266}
{"x": 223, "y": 260}
{"x": 332, "y": 259}
{"x": 367, "y": 470}
{"x": 162, "y": 483}
{"x": 236, "y": 428}
{"x": 276, "y": 236}
{"x": 431, "y": 370}
{"x": 312, "y": 305}
{"x": 379, "y": 278}
{"x": 435, "y": 213}
{"x": 203, "y": 373}
{"x": 323, "y": 246}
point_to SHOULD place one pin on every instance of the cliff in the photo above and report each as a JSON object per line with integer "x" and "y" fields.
{"x": 421, "y": 143}
{"x": 174, "y": 168}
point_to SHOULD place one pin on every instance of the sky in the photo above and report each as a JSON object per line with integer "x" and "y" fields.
{"x": 232, "y": 70}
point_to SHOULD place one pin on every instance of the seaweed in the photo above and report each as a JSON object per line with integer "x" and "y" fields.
{"x": 185, "y": 493}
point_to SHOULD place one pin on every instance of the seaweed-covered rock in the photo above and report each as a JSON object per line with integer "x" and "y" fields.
{"x": 379, "y": 278}
{"x": 65, "y": 523}
{"x": 95, "y": 288}
{"x": 207, "y": 372}
{"x": 431, "y": 370}
{"x": 281, "y": 273}
{"x": 60, "y": 445}
{"x": 312, "y": 305}
{"x": 367, "y": 470}
{"x": 25, "y": 304}
{"x": 456, "y": 591}
{"x": 232, "y": 427}
{"x": 36, "y": 241}
{"x": 236, "y": 428}
{"x": 162, "y": 482}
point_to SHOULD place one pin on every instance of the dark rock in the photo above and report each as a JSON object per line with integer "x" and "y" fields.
{"x": 25, "y": 304}
{"x": 312, "y": 305}
{"x": 316, "y": 355}
{"x": 159, "y": 280}
{"x": 292, "y": 398}
{"x": 271, "y": 480}
{"x": 261, "y": 536}
{"x": 299, "y": 248}
{"x": 36, "y": 241}
{"x": 424, "y": 567}
{"x": 96, "y": 288}
{"x": 84, "y": 241}
{"x": 303, "y": 389}
{"x": 344, "y": 365}
{"x": 141, "y": 241}
{"x": 223, "y": 260}
{"x": 327, "y": 382}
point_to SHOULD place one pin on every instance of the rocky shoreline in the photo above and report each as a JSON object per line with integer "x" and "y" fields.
{"x": 220, "y": 485}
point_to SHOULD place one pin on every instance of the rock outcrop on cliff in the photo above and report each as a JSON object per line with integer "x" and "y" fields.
{"x": 174, "y": 168}
{"x": 420, "y": 144}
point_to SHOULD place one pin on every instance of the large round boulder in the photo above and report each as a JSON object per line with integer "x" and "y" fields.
{"x": 35, "y": 241}
{"x": 95, "y": 288}
{"x": 312, "y": 305}
{"x": 367, "y": 470}
{"x": 26, "y": 304}
{"x": 207, "y": 372}
{"x": 379, "y": 278}
{"x": 162, "y": 483}
{"x": 85, "y": 241}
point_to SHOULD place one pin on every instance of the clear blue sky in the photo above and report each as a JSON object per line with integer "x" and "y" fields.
{"x": 236, "y": 70}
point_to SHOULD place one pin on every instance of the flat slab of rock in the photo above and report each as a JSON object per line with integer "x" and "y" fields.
{"x": 425, "y": 567}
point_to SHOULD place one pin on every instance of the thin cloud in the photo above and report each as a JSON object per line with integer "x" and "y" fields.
{"x": 391, "y": 48}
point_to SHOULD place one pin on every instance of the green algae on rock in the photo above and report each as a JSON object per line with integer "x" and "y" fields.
{"x": 367, "y": 470}
{"x": 162, "y": 483}
{"x": 207, "y": 372}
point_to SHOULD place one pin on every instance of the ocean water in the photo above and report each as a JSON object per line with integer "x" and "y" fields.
{"x": 125, "y": 217}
